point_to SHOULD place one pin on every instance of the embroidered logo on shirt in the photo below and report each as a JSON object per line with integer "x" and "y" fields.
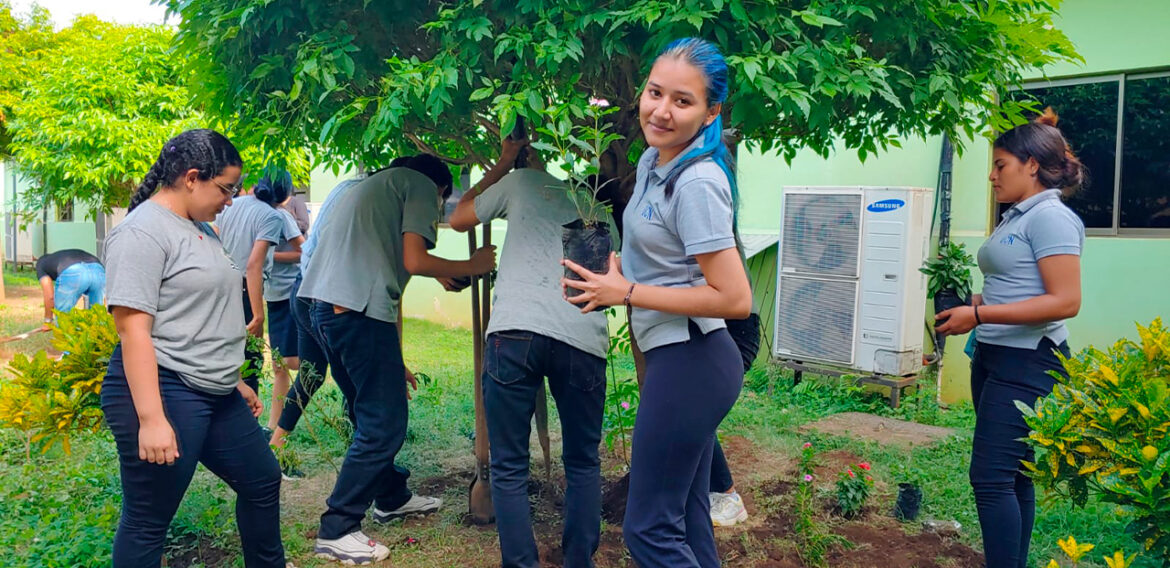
{"x": 648, "y": 212}
{"x": 1008, "y": 240}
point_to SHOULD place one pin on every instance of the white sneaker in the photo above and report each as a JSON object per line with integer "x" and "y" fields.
{"x": 727, "y": 509}
{"x": 418, "y": 505}
{"x": 354, "y": 549}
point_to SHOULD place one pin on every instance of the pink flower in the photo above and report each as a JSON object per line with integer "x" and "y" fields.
{"x": 851, "y": 474}
{"x": 598, "y": 102}
{"x": 625, "y": 405}
{"x": 807, "y": 478}
{"x": 807, "y": 445}
{"x": 864, "y": 465}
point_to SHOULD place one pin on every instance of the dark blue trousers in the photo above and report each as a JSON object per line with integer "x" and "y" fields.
{"x": 366, "y": 359}
{"x": 1004, "y": 496}
{"x": 314, "y": 365}
{"x": 515, "y": 365}
{"x": 218, "y": 431}
{"x": 746, "y": 335}
{"x": 689, "y": 388}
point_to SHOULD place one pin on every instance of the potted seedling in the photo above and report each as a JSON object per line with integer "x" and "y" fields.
{"x": 577, "y": 149}
{"x": 949, "y": 278}
{"x": 909, "y": 500}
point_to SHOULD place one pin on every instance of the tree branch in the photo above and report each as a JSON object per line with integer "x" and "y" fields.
{"x": 427, "y": 148}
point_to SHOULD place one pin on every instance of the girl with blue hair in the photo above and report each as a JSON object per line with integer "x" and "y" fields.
{"x": 682, "y": 276}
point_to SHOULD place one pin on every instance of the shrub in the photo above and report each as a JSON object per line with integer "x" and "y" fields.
{"x": 853, "y": 486}
{"x": 48, "y": 399}
{"x": 1104, "y": 431}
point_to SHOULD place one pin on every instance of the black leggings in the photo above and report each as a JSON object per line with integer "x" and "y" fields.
{"x": 1004, "y": 496}
{"x": 314, "y": 364}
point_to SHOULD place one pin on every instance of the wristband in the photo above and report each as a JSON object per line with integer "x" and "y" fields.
{"x": 977, "y": 320}
{"x": 628, "y": 294}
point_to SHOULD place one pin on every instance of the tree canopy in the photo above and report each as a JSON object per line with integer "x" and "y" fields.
{"x": 367, "y": 80}
{"x": 89, "y": 107}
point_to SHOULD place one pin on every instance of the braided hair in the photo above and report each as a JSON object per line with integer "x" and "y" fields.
{"x": 204, "y": 150}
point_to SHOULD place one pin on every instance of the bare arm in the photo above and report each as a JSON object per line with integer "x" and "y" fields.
{"x": 1061, "y": 300}
{"x": 156, "y": 438}
{"x": 464, "y": 219}
{"x": 420, "y": 262}
{"x": 292, "y": 256}
{"x": 47, "y": 295}
{"x": 727, "y": 293}
{"x": 254, "y": 275}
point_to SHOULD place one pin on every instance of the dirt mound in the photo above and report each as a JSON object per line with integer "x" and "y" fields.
{"x": 886, "y": 431}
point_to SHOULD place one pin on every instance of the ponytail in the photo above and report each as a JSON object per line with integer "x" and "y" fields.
{"x": 206, "y": 151}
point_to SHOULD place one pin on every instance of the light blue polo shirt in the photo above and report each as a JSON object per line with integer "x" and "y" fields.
{"x": 1032, "y": 229}
{"x": 322, "y": 220}
{"x": 663, "y": 235}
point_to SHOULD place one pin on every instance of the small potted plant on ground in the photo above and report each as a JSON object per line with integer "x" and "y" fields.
{"x": 577, "y": 149}
{"x": 909, "y": 500}
{"x": 949, "y": 277}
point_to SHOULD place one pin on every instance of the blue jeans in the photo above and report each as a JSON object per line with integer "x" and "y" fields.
{"x": 218, "y": 431}
{"x": 85, "y": 279}
{"x": 1004, "y": 496}
{"x": 314, "y": 364}
{"x": 515, "y": 365}
{"x": 366, "y": 359}
{"x": 689, "y": 388}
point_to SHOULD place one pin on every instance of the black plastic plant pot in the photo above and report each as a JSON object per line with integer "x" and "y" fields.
{"x": 947, "y": 299}
{"x": 589, "y": 246}
{"x": 908, "y": 503}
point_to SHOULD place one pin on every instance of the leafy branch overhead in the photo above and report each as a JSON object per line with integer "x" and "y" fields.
{"x": 369, "y": 80}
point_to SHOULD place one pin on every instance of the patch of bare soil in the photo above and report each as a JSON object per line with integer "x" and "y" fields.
{"x": 886, "y": 431}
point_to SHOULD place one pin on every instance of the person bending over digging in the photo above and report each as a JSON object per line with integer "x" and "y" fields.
{"x": 66, "y": 276}
{"x": 356, "y": 275}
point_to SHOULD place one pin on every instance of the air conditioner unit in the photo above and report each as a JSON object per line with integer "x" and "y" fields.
{"x": 848, "y": 290}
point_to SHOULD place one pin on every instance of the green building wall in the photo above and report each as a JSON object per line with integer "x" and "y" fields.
{"x": 1124, "y": 279}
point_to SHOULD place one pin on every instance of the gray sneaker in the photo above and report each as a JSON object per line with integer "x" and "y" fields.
{"x": 354, "y": 549}
{"x": 418, "y": 505}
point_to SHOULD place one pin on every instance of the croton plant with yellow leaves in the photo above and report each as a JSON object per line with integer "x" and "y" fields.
{"x": 1077, "y": 551}
{"x": 1104, "y": 431}
{"x": 49, "y": 399}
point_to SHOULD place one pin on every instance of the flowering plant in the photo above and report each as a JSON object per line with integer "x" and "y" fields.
{"x": 853, "y": 487}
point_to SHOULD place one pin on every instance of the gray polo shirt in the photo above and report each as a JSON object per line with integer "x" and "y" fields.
{"x": 663, "y": 235}
{"x": 244, "y": 222}
{"x": 357, "y": 259}
{"x": 1032, "y": 229}
{"x": 177, "y": 271}
{"x": 528, "y": 290}
{"x": 281, "y": 275}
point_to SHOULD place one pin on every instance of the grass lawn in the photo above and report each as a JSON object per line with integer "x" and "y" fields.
{"x": 61, "y": 510}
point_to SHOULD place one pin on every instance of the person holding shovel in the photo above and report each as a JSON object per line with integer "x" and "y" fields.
{"x": 66, "y": 276}
{"x": 682, "y": 276}
{"x": 355, "y": 276}
{"x": 534, "y": 334}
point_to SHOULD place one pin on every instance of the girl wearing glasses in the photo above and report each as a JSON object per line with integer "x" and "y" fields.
{"x": 172, "y": 395}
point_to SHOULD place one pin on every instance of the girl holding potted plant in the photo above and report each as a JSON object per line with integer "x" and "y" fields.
{"x": 682, "y": 276}
{"x": 1032, "y": 283}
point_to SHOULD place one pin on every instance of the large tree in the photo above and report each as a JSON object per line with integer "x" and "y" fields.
{"x": 91, "y": 105}
{"x": 367, "y": 80}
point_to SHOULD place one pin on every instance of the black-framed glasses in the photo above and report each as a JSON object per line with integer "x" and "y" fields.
{"x": 232, "y": 191}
